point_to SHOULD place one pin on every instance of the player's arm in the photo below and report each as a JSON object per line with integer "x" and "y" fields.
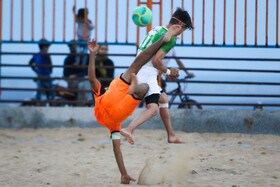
{"x": 74, "y": 12}
{"x": 92, "y": 46}
{"x": 181, "y": 65}
{"x": 125, "y": 178}
{"x": 49, "y": 62}
{"x": 157, "y": 62}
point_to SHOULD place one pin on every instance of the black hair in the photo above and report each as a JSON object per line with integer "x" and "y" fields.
{"x": 183, "y": 16}
{"x": 72, "y": 42}
{"x": 43, "y": 43}
{"x": 81, "y": 13}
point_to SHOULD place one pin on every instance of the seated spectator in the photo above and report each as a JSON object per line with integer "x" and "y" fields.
{"x": 101, "y": 62}
{"x": 43, "y": 72}
{"x": 75, "y": 73}
{"x": 258, "y": 106}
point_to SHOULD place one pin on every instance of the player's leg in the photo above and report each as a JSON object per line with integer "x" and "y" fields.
{"x": 138, "y": 92}
{"x": 148, "y": 53}
{"x": 133, "y": 84}
{"x": 150, "y": 111}
{"x": 165, "y": 117}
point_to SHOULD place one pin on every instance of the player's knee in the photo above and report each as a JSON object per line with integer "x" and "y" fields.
{"x": 163, "y": 98}
{"x": 153, "y": 109}
{"x": 141, "y": 91}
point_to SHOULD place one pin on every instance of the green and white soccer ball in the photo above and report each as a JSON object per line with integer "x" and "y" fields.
{"x": 142, "y": 16}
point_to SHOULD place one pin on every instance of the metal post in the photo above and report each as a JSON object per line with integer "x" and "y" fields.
{"x": 138, "y": 31}
{"x": 1, "y": 4}
{"x": 96, "y": 20}
{"x": 225, "y": 15}
{"x": 64, "y": 19}
{"x": 234, "y": 22}
{"x": 106, "y": 21}
{"x": 245, "y": 24}
{"x": 43, "y": 20}
{"x": 266, "y": 24}
{"x": 214, "y": 14}
{"x": 22, "y": 21}
{"x": 117, "y": 12}
{"x": 203, "y": 21}
{"x": 53, "y": 33}
{"x": 11, "y": 26}
{"x": 192, "y": 22}
{"x": 277, "y": 21}
{"x": 256, "y": 23}
{"x": 150, "y": 6}
{"x": 0, "y": 55}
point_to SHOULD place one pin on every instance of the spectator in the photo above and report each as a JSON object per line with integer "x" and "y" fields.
{"x": 75, "y": 73}
{"x": 70, "y": 60}
{"x": 258, "y": 106}
{"x": 102, "y": 61}
{"x": 43, "y": 72}
{"x": 82, "y": 23}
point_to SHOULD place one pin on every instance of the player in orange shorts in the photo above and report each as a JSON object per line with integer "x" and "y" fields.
{"x": 122, "y": 96}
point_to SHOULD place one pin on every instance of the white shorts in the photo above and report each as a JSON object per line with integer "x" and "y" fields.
{"x": 154, "y": 88}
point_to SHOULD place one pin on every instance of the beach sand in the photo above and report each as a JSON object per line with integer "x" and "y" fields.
{"x": 84, "y": 157}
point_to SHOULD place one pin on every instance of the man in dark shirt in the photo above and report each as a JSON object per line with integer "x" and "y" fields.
{"x": 73, "y": 72}
{"x": 102, "y": 70}
{"x": 80, "y": 72}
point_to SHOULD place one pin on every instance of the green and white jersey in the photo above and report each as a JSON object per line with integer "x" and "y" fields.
{"x": 154, "y": 35}
{"x": 148, "y": 73}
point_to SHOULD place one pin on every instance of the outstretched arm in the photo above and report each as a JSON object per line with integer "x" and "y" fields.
{"x": 181, "y": 65}
{"x": 74, "y": 12}
{"x": 92, "y": 46}
{"x": 125, "y": 178}
{"x": 157, "y": 62}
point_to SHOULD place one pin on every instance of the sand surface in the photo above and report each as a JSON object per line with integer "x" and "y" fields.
{"x": 84, "y": 157}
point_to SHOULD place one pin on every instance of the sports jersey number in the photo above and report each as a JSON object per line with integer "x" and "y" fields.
{"x": 146, "y": 42}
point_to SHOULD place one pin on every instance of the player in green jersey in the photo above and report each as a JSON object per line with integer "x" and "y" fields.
{"x": 156, "y": 100}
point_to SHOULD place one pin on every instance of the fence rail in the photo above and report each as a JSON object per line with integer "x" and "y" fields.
{"x": 242, "y": 23}
{"x": 61, "y": 91}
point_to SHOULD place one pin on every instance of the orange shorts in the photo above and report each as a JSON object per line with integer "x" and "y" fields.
{"x": 115, "y": 105}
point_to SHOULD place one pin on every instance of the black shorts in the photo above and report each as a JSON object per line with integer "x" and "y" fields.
{"x": 152, "y": 98}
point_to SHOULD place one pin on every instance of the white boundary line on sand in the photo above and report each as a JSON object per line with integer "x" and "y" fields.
{"x": 136, "y": 143}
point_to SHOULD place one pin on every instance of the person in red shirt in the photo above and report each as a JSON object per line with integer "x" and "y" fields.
{"x": 123, "y": 95}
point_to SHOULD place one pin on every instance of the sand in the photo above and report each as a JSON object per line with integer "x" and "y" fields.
{"x": 84, "y": 157}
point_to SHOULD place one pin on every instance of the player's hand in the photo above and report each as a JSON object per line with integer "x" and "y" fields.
{"x": 72, "y": 76}
{"x": 74, "y": 9}
{"x": 175, "y": 29}
{"x": 190, "y": 75}
{"x": 174, "y": 73}
{"x": 125, "y": 179}
{"x": 92, "y": 46}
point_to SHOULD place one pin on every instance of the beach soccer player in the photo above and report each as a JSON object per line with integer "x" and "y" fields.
{"x": 156, "y": 100}
{"x": 123, "y": 95}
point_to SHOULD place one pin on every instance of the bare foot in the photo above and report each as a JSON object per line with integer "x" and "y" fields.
{"x": 133, "y": 84}
{"x": 128, "y": 135}
{"x": 172, "y": 31}
{"x": 175, "y": 139}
